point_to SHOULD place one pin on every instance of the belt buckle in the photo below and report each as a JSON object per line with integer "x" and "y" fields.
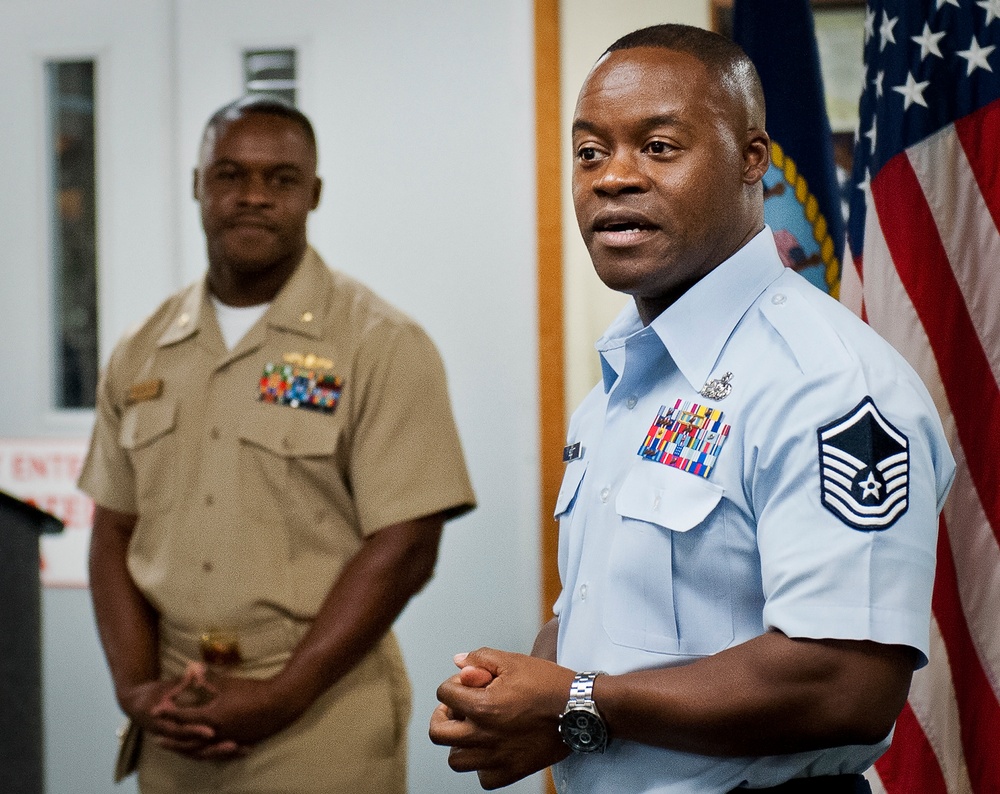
{"x": 220, "y": 648}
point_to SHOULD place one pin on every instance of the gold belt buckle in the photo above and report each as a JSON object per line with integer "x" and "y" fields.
{"x": 220, "y": 648}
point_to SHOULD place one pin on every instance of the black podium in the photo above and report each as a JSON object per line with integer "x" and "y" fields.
{"x": 21, "y": 767}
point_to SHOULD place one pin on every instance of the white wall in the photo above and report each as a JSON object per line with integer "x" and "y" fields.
{"x": 424, "y": 115}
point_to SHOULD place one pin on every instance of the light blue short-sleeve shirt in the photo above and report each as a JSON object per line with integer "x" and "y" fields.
{"x": 757, "y": 458}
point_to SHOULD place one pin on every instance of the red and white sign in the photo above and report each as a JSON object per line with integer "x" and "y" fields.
{"x": 43, "y": 472}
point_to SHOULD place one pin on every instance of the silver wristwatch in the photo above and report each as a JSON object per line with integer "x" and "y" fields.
{"x": 581, "y": 726}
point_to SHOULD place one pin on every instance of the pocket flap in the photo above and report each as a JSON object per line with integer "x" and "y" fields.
{"x": 668, "y": 497}
{"x": 145, "y": 422}
{"x": 289, "y": 432}
{"x": 572, "y": 478}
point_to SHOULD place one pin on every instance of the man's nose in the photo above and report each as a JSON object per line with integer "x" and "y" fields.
{"x": 256, "y": 190}
{"x": 621, "y": 173}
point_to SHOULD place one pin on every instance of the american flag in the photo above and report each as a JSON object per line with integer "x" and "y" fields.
{"x": 923, "y": 233}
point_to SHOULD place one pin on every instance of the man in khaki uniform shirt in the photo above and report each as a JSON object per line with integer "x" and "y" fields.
{"x": 272, "y": 463}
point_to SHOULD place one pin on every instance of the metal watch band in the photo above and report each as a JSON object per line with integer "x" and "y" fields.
{"x": 581, "y": 691}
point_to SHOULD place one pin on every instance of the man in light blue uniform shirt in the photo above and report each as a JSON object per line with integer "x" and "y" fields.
{"x": 748, "y": 517}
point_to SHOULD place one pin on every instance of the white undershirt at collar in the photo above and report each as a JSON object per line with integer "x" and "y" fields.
{"x": 235, "y": 321}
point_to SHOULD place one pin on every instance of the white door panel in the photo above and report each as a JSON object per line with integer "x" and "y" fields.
{"x": 134, "y": 208}
{"x": 130, "y": 44}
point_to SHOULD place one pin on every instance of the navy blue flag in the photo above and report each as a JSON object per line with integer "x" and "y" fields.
{"x": 802, "y": 197}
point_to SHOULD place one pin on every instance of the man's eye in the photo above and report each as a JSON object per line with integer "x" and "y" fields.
{"x": 658, "y": 147}
{"x": 587, "y": 153}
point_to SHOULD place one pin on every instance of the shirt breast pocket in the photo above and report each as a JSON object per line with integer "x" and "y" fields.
{"x": 148, "y": 435}
{"x": 669, "y": 589}
{"x": 288, "y": 457}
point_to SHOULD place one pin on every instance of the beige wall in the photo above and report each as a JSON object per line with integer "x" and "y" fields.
{"x": 587, "y": 27}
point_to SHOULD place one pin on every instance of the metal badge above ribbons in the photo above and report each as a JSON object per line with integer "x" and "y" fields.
{"x": 718, "y": 388}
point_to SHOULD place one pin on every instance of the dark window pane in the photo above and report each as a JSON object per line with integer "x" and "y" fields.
{"x": 74, "y": 226}
{"x": 269, "y": 72}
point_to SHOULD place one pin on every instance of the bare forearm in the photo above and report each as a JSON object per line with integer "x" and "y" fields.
{"x": 546, "y": 641}
{"x": 769, "y": 696}
{"x": 371, "y": 591}
{"x": 125, "y": 620}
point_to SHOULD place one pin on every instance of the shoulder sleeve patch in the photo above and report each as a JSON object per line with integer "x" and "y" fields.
{"x": 864, "y": 468}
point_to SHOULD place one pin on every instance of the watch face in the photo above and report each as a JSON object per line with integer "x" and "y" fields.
{"x": 582, "y": 731}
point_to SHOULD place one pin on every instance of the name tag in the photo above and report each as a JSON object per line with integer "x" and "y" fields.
{"x": 145, "y": 390}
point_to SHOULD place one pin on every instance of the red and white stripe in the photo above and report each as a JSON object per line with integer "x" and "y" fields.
{"x": 929, "y": 282}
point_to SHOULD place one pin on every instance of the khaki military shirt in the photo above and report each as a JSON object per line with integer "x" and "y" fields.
{"x": 248, "y": 508}
{"x": 255, "y": 474}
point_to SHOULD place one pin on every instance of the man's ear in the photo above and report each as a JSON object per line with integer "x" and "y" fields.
{"x": 756, "y": 156}
{"x": 195, "y": 186}
{"x": 317, "y": 191}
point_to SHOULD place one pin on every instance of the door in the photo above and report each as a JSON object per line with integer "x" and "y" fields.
{"x": 87, "y": 224}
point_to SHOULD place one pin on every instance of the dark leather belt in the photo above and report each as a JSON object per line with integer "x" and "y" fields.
{"x": 830, "y": 784}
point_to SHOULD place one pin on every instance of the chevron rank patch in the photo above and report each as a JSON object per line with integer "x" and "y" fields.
{"x": 864, "y": 468}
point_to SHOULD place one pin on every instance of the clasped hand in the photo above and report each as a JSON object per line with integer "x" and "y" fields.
{"x": 204, "y": 715}
{"x": 499, "y": 715}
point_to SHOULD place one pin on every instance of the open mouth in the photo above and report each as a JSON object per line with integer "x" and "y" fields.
{"x": 621, "y": 221}
{"x": 622, "y": 229}
{"x": 624, "y": 226}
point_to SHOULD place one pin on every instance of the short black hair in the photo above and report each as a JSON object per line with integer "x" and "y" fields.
{"x": 719, "y": 54}
{"x": 263, "y": 104}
